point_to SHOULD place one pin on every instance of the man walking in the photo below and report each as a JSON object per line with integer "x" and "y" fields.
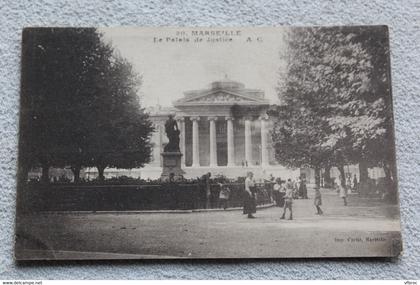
{"x": 288, "y": 200}
{"x": 318, "y": 201}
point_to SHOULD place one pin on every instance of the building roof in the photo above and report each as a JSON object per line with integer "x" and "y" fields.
{"x": 223, "y": 92}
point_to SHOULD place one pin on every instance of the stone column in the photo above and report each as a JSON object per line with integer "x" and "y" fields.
{"x": 230, "y": 142}
{"x": 264, "y": 150}
{"x": 181, "y": 125}
{"x": 195, "y": 142}
{"x": 159, "y": 145}
{"x": 213, "y": 143}
{"x": 248, "y": 142}
{"x": 156, "y": 145}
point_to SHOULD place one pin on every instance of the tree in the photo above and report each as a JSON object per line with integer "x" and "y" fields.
{"x": 55, "y": 63}
{"x": 121, "y": 139}
{"x": 78, "y": 95}
{"x": 332, "y": 116}
{"x": 296, "y": 138}
{"x": 366, "y": 115}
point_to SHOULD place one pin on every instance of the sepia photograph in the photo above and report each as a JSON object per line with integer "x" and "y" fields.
{"x": 222, "y": 142}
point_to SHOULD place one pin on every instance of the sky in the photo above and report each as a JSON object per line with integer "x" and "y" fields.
{"x": 174, "y": 60}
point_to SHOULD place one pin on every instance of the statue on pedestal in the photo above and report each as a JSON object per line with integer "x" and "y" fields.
{"x": 171, "y": 154}
{"x": 172, "y": 132}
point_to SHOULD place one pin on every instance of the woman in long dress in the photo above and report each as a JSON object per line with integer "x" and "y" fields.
{"x": 303, "y": 191}
{"x": 250, "y": 205}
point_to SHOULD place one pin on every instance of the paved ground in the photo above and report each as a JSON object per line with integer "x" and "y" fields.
{"x": 365, "y": 227}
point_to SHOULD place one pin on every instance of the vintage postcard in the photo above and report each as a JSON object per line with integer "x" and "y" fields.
{"x": 158, "y": 143}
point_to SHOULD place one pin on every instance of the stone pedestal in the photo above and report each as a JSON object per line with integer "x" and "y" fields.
{"x": 171, "y": 166}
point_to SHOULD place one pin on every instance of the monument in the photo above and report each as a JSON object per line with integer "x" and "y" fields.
{"x": 171, "y": 155}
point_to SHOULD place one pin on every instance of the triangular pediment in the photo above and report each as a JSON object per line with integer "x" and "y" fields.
{"x": 220, "y": 97}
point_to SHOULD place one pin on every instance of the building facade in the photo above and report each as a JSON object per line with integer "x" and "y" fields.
{"x": 224, "y": 130}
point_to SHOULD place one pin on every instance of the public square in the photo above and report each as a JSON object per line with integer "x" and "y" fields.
{"x": 218, "y": 234}
{"x": 107, "y": 173}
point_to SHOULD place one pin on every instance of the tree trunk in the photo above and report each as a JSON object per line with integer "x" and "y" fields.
{"x": 363, "y": 171}
{"x": 101, "y": 169}
{"x": 45, "y": 173}
{"x": 317, "y": 176}
{"x": 342, "y": 175}
{"x": 76, "y": 173}
{"x": 327, "y": 177}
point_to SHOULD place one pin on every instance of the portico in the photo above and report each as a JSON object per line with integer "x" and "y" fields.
{"x": 212, "y": 141}
{"x": 220, "y": 125}
{"x": 224, "y": 129}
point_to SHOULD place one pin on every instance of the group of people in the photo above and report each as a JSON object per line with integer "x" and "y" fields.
{"x": 250, "y": 205}
{"x": 299, "y": 190}
{"x": 285, "y": 200}
{"x": 283, "y": 194}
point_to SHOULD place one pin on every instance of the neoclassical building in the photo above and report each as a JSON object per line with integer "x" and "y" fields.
{"x": 224, "y": 130}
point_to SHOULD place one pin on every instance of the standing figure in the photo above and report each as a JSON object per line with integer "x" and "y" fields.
{"x": 296, "y": 184}
{"x": 250, "y": 205}
{"x": 318, "y": 201}
{"x": 278, "y": 193}
{"x": 206, "y": 179}
{"x": 355, "y": 183}
{"x": 348, "y": 184}
{"x": 224, "y": 196}
{"x": 288, "y": 199}
{"x": 172, "y": 132}
{"x": 303, "y": 191}
{"x": 342, "y": 192}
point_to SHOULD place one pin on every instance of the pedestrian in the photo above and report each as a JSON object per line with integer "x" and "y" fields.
{"x": 288, "y": 200}
{"x": 224, "y": 196}
{"x": 278, "y": 197}
{"x": 250, "y": 205}
{"x": 343, "y": 192}
{"x": 296, "y": 188}
{"x": 318, "y": 201}
{"x": 355, "y": 183}
{"x": 348, "y": 180}
{"x": 302, "y": 188}
{"x": 206, "y": 180}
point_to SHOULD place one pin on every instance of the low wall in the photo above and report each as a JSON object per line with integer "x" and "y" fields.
{"x": 133, "y": 197}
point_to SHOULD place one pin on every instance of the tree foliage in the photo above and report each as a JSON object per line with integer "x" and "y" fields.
{"x": 336, "y": 96}
{"x": 79, "y": 103}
